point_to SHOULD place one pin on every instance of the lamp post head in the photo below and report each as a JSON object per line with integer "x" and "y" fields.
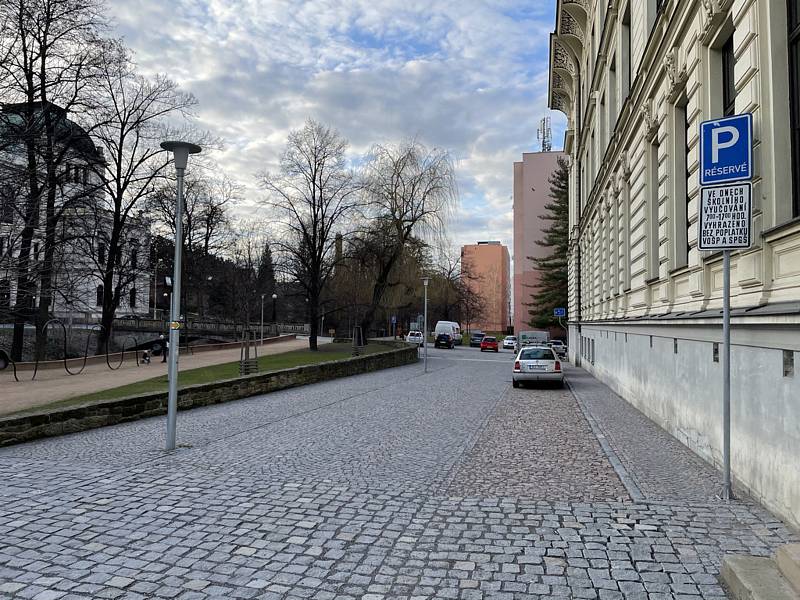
{"x": 181, "y": 151}
{"x": 425, "y": 281}
{"x": 274, "y": 296}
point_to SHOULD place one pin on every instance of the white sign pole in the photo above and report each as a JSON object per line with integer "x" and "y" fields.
{"x": 726, "y": 374}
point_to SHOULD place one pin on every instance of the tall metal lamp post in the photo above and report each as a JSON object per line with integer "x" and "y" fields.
{"x": 262, "y": 319}
{"x": 425, "y": 324}
{"x": 180, "y": 152}
{"x": 274, "y": 313}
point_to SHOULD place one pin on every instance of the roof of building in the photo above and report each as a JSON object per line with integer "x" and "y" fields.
{"x": 14, "y": 122}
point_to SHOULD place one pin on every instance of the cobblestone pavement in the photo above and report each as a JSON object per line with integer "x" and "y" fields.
{"x": 388, "y": 485}
{"x": 661, "y": 471}
{"x": 538, "y": 445}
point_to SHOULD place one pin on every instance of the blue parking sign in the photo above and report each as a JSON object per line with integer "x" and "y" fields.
{"x": 559, "y": 312}
{"x": 726, "y": 150}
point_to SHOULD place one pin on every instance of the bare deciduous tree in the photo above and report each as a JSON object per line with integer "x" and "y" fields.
{"x": 410, "y": 193}
{"x": 133, "y": 119}
{"x": 311, "y": 199}
{"x": 51, "y": 51}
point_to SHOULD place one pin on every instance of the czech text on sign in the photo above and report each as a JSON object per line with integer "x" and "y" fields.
{"x": 726, "y": 150}
{"x": 725, "y": 217}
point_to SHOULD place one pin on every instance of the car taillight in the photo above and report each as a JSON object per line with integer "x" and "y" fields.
{"x": 516, "y": 366}
{"x": 558, "y": 366}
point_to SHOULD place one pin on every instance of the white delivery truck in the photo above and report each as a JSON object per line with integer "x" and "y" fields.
{"x": 450, "y": 327}
{"x": 532, "y": 338}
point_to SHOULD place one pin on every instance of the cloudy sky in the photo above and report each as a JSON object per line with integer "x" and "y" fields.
{"x": 466, "y": 75}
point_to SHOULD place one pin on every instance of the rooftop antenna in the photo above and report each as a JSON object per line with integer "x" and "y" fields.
{"x": 545, "y": 134}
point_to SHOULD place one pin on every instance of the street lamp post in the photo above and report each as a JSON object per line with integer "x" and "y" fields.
{"x": 425, "y": 324}
{"x": 262, "y": 319}
{"x": 274, "y": 314}
{"x": 180, "y": 152}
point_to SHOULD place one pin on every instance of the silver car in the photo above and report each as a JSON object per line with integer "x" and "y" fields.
{"x": 537, "y": 363}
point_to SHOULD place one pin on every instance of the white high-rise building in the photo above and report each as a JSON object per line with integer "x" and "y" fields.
{"x": 635, "y": 78}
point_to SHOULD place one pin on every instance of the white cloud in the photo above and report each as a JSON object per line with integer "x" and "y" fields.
{"x": 466, "y": 75}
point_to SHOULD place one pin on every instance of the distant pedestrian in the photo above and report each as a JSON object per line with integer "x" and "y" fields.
{"x": 146, "y": 357}
{"x": 165, "y": 348}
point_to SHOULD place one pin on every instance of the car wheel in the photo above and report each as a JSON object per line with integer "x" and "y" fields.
{"x": 515, "y": 383}
{"x": 496, "y": 350}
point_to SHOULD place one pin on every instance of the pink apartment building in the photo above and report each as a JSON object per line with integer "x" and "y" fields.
{"x": 531, "y": 193}
{"x": 489, "y": 266}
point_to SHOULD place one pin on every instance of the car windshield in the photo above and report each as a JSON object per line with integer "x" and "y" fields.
{"x": 489, "y": 339}
{"x": 536, "y": 354}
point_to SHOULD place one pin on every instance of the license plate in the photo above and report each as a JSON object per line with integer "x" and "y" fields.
{"x": 536, "y": 367}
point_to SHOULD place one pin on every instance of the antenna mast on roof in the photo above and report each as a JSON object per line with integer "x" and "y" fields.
{"x": 545, "y": 134}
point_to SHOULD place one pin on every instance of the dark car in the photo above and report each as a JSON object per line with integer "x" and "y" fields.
{"x": 476, "y": 338}
{"x": 444, "y": 340}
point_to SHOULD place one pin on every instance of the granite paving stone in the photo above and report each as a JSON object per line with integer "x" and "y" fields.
{"x": 391, "y": 485}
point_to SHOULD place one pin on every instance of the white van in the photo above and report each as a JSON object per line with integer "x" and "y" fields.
{"x": 450, "y": 327}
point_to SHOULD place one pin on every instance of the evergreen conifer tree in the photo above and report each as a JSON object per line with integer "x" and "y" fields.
{"x": 551, "y": 291}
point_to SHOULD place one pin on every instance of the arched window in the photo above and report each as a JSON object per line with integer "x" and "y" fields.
{"x": 100, "y": 295}
{"x": 134, "y": 258}
{"x": 132, "y": 302}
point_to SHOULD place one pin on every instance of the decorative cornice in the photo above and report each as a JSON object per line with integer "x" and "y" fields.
{"x": 616, "y": 188}
{"x": 561, "y": 102}
{"x": 714, "y": 14}
{"x": 650, "y": 121}
{"x": 561, "y": 86}
{"x": 570, "y": 26}
{"x": 625, "y": 166}
{"x": 677, "y": 73}
{"x": 562, "y": 59}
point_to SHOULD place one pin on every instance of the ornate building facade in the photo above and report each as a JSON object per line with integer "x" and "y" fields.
{"x": 635, "y": 78}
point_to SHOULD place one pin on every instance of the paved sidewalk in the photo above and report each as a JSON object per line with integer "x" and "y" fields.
{"x": 391, "y": 485}
{"x": 52, "y": 385}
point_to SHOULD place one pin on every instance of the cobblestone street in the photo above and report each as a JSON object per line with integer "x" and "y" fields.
{"x": 394, "y": 484}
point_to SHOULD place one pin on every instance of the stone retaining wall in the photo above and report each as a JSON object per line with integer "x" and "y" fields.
{"x": 59, "y": 421}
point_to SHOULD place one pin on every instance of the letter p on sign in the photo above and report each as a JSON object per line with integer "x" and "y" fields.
{"x": 717, "y": 144}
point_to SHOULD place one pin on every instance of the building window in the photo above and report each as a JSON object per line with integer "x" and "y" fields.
{"x": 680, "y": 173}
{"x": 625, "y": 63}
{"x": 728, "y": 79}
{"x": 2, "y": 247}
{"x": 99, "y": 295}
{"x": 132, "y": 301}
{"x": 36, "y": 252}
{"x": 134, "y": 258}
{"x": 653, "y": 241}
{"x": 794, "y": 98}
{"x": 613, "y": 108}
{"x": 101, "y": 252}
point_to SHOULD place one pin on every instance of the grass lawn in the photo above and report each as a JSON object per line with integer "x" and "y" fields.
{"x": 266, "y": 364}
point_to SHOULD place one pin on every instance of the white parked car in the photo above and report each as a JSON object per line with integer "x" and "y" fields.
{"x": 537, "y": 363}
{"x": 509, "y": 342}
{"x": 559, "y": 347}
{"x": 415, "y": 337}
